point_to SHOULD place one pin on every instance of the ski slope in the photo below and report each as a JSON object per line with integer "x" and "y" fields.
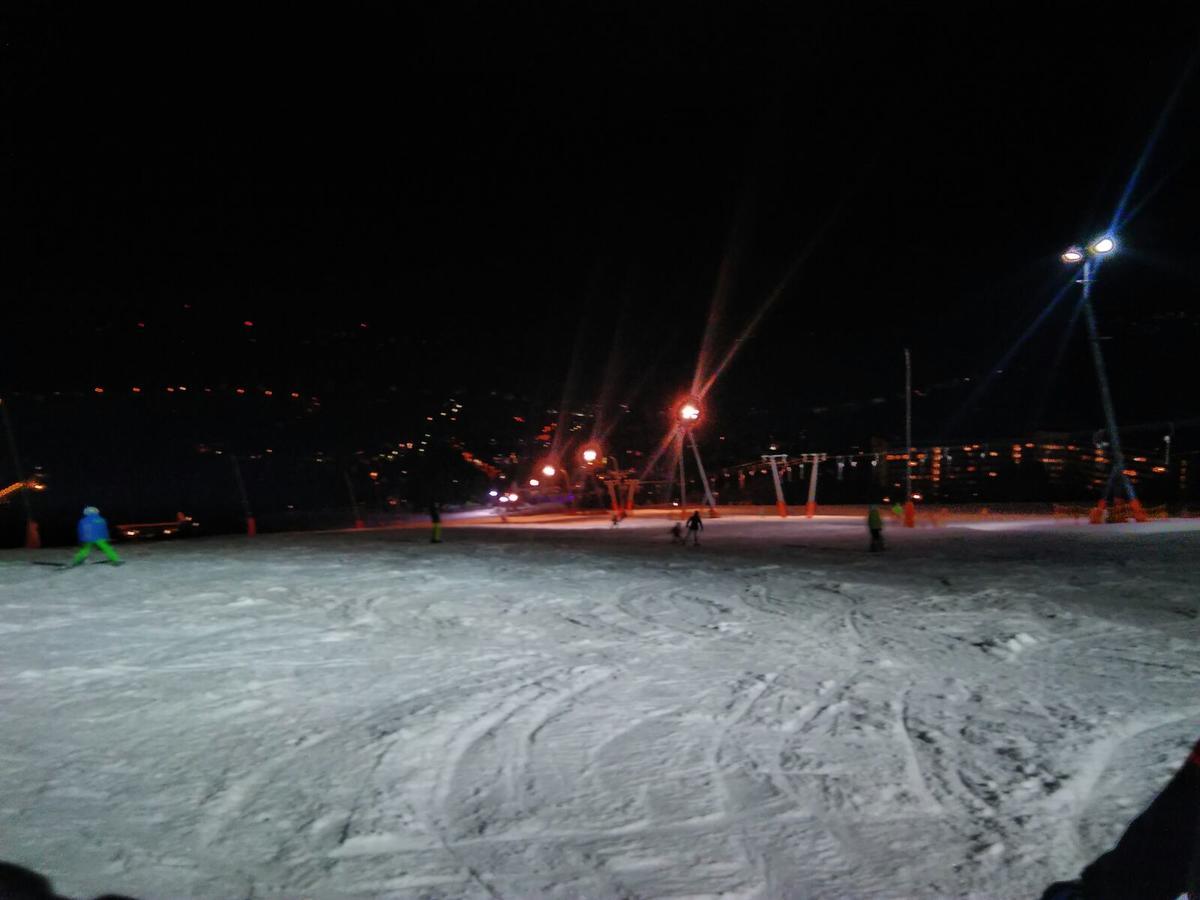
{"x": 568, "y": 710}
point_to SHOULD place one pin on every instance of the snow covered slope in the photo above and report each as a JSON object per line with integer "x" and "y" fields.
{"x": 578, "y": 711}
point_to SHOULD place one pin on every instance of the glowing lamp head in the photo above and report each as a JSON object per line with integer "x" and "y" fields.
{"x": 689, "y": 411}
{"x": 512, "y": 498}
{"x": 590, "y": 455}
{"x": 549, "y": 471}
{"x": 533, "y": 482}
{"x": 1103, "y": 245}
{"x": 493, "y": 493}
{"x": 1072, "y": 255}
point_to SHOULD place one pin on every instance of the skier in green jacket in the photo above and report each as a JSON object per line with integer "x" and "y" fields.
{"x": 875, "y": 526}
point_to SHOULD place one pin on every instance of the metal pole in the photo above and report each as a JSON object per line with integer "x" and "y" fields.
{"x": 708, "y": 497}
{"x": 32, "y": 538}
{"x": 910, "y": 512}
{"x": 612, "y": 495}
{"x": 780, "y": 505}
{"x": 358, "y": 519}
{"x": 810, "y": 508}
{"x": 682, "y": 479}
{"x": 251, "y": 526}
{"x": 1117, "y": 475}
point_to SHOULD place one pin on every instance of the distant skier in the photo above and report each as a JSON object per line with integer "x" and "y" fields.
{"x": 435, "y": 518}
{"x": 93, "y": 532}
{"x": 1158, "y": 856}
{"x": 677, "y": 533}
{"x": 875, "y": 526}
{"x": 694, "y": 527}
{"x": 616, "y": 520}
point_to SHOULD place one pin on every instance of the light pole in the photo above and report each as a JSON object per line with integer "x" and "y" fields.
{"x": 1089, "y": 256}
{"x": 550, "y": 470}
{"x": 591, "y": 455}
{"x": 689, "y": 415}
{"x": 910, "y": 510}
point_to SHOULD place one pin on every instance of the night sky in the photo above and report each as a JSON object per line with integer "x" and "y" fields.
{"x": 540, "y": 202}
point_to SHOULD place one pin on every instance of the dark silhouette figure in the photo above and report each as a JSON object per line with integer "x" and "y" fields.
{"x": 435, "y": 517}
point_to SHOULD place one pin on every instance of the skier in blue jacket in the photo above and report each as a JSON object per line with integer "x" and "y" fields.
{"x": 93, "y": 532}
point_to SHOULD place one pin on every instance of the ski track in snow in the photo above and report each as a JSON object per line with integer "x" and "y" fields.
{"x": 526, "y": 712}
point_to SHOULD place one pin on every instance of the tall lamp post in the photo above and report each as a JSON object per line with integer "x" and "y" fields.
{"x": 549, "y": 470}
{"x": 612, "y": 478}
{"x": 1089, "y": 256}
{"x": 910, "y": 510}
{"x": 689, "y": 415}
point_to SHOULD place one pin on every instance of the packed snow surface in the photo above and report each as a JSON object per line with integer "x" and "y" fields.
{"x": 573, "y": 710}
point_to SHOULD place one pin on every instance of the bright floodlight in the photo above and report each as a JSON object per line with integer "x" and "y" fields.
{"x": 493, "y": 493}
{"x": 1104, "y": 245}
{"x": 549, "y": 470}
{"x": 689, "y": 412}
{"x": 504, "y": 499}
{"x": 1073, "y": 255}
{"x": 512, "y": 498}
{"x": 533, "y": 482}
{"x": 590, "y": 455}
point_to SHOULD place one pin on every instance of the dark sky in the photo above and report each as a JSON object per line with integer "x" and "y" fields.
{"x": 501, "y": 189}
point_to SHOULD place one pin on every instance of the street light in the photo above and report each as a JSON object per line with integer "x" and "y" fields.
{"x": 1099, "y": 247}
{"x": 549, "y": 471}
{"x": 590, "y": 455}
{"x": 533, "y": 482}
{"x": 689, "y": 413}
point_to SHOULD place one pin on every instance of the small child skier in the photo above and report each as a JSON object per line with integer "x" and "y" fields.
{"x": 677, "y": 533}
{"x": 875, "y": 526}
{"x": 435, "y": 519}
{"x": 93, "y": 532}
{"x": 694, "y": 527}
